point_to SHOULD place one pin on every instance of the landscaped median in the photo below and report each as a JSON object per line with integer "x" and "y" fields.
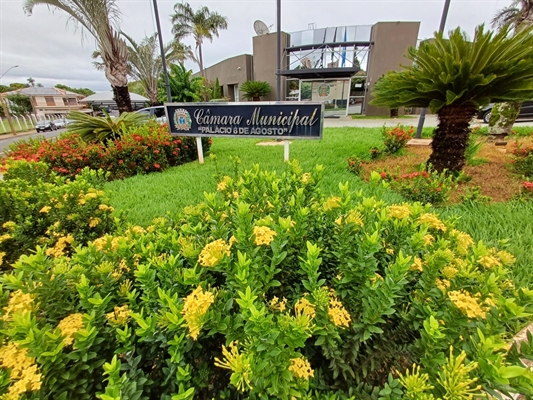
{"x": 250, "y": 281}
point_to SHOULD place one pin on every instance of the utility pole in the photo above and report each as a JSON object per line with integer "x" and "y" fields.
{"x": 162, "y": 49}
{"x": 278, "y": 77}
{"x": 422, "y": 118}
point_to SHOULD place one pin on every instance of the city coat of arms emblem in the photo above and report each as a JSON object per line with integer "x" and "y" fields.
{"x": 182, "y": 119}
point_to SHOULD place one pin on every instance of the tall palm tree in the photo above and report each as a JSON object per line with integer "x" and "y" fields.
{"x": 145, "y": 64}
{"x": 519, "y": 15}
{"x": 202, "y": 24}
{"x": 455, "y": 76}
{"x": 99, "y": 18}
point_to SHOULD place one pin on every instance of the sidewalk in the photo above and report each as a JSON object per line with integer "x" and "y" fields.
{"x": 5, "y": 136}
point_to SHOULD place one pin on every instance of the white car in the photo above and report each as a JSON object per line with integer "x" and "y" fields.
{"x": 60, "y": 123}
{"x": 157, "y": 112}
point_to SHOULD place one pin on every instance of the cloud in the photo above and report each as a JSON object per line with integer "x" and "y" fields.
{"x": 51, "y": 52}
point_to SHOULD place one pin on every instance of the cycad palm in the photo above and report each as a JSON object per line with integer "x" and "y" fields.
{"x": 202, "y": 24}
{"x": 145, "y": 63}
{"x": 99, "y": 18}
{"x": 453, "y": 77}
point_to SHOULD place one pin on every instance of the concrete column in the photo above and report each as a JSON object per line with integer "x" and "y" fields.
{"x": 265, "y": 62}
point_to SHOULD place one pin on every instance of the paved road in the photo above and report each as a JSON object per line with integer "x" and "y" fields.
{"x": 5, "y": 142}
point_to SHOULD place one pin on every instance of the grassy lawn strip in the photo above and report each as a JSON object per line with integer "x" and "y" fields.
{"x": 381, "y": 117}
{"x": 145, "y": 197}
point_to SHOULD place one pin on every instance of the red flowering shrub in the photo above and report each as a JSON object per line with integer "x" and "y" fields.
{"x": 522, "y": 159}
{"x": 527, "y": 189}
{"x": 395, "y": 139}
{"x": 355, "y": 165}
{"x": 147, "y": 148}
{"x": 426, "y": 187}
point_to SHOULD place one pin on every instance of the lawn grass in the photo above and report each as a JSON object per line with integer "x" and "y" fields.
{"x": 145, "y": 197}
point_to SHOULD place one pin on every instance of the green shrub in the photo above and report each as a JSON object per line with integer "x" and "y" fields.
{"x": 424, "y": 186}
{"x": 254, "y": 90}
{"x": 37, "y": 207}
{"x": 268, "y": 290}
{"x": 355, "y": 165}
{"x": 522, "y": 162}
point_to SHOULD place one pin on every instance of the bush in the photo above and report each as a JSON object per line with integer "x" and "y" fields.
{"x": 144, "y": 149}
{"x": 395, "y": 139}
{"x": 375, "y": 153}
{"x": 268, "y": 290}
{"x": 527, "y": 189}
{"x": 37, "y": 207}
{"x": 424, "y": 186}
{"x": 355, "y": 165}
{"x": 522, "y": 162}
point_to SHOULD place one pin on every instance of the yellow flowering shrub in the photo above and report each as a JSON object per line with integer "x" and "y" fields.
{"x": 278, "y": 293}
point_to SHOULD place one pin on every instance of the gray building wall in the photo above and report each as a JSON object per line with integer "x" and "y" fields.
{"x": 230, "y": 72}
{"x": 390, "y": 43}
{"x": 265, "y": 62}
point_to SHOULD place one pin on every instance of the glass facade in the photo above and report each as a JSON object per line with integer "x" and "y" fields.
{"x": 339, "y": 34}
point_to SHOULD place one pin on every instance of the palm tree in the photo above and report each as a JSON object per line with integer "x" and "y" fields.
{"x": 455, "y": 76}
{"x": 99, "y": 18}
{"x": 519, "y": 15}
{"x": 183, "y": 87}
{"x": 31, "y": 81}
{"x": 254, "y": 90}
{"x": 145, "y": 63}
{"x": 202, "y": 24}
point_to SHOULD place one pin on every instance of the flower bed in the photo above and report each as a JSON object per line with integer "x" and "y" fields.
{"x": 144, "y": 149}
{"x": 268, "y": 290}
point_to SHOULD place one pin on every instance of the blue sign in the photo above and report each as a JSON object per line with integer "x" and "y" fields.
{"x": 279, "y": 120}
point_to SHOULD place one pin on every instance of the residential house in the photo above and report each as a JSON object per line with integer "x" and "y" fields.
{"x": 51, "y": 102}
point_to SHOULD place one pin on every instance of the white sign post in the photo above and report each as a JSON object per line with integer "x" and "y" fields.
{"x": 286, "y": 144}
{"x": 200, "y": 150}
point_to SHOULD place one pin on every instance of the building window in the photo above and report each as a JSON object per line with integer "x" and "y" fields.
{"x": 65, "y": 101}
{"x": 72, "y": 101}
{"x": 50, "y": 101}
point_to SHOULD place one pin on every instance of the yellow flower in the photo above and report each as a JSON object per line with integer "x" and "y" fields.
{"x": 23, "y": 372}
{"x": 4, "y": 237}
{"x": 61, "y": 244}
{"x": 239, "y": 363}
{"x": 506, "y": 258}
{"x": 91, "y": 196}
{"x": 417, "y": 265}
{"x": 119, "y": 315}
{"x": 305, "y": 307}
{"x": 467, "y": 304}
{"x": 93, "y": 222}
{"x": 464, "y": 241}
{"x": 18, "y": 302}
{"x": 213, "y": 253}
{"x": 390, "y": 251}
{"x": 306, "y": 177}
{"x": 282, "y": 304}
{"x": 375, "y": 278}
{"x": 331, "y": 203}
{"x": 489, "y": 262}
{"x": 232, "y": 240}
{"x": 2, "y": 255}
{"x": 263, "y": 235}
{"x": 223, "y": 184}
{"x": 81, "y": 201}
{"x": 449, "y": 272}
{"x": 301, "y": 368}
{"x": 45, "y": 209}
{"x": 442, "y": 284}
{"x": 399, "y": 211}
{"x": 9, "y": 225}
{"x": 337, "y": 313}
{"x": 428, "y": 239}
{"x": 69, "y": 326}
{"x": 194, "y": 309}
{"x": 338, "y": 221}
{"x": 235, "y": 195}
{"x": 138, "y": 229}
{"x": 433, "y": 221}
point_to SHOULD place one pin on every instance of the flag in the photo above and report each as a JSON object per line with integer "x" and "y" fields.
{"x": 344, "y": 51}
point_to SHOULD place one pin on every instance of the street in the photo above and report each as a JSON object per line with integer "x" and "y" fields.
{"x": 5, "y": 142}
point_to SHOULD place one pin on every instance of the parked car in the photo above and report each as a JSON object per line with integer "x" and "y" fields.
{"x": 60, "y": 123}
{"x": 526, "y": 111}
{"x": 157, "y": 112}
{"x": 45, "y": 125}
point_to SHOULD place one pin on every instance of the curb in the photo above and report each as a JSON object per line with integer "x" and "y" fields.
{"x": 10, "y": 135}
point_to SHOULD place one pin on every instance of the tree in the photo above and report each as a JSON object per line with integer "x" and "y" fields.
{"x": 83, "y": 91}
{"x": 99, "y": 18}
{"x": 519, "y": 15}
{"x": 217, "y": 90}
{"x": 254, "y": 90}
{"x": 454, "y": 77}
{"x": 202, "y": 24}
{"x": 19, "y": 104}
{"x": 183, "y": 88}
{"x": 145, "y": 64}
{"x": 31, "y": 81}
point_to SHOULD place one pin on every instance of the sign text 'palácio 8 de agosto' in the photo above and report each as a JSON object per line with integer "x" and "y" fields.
{"x": 280, "y": 120}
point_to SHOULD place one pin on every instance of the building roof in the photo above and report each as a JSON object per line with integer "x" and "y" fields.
{"x": 107, "y": 98}
{"x": 44, "y": 91}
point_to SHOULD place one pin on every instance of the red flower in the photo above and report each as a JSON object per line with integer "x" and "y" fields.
{"x": 157, "y": 166}
{"x": 120, "y": 161}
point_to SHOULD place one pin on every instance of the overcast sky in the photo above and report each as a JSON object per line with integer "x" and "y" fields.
{"x": 45, "y": 48}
